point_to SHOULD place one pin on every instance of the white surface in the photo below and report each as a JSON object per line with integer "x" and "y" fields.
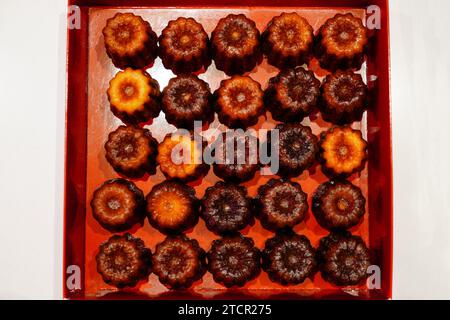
{"x": 32, "y": 82}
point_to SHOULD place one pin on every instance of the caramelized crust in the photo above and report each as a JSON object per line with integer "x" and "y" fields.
{"x": 181, "y": 157}
{"x": 134, "y": 96}
{"x": 338, "y": 205}
{"x": 184, "y": 46}
{"x": 281, "y": 204}
{"x": 292, "y": 94}
{"x": 235, "y": 44}
{"x": 242, "y": 164}
{"x": 123, "y": 261}
{"x": 343, "y": 259}
{"x": 344, "y": 97}
{"x": 118, "y": 205}
{"x": 187, "y": 99}
{"x": 172, "y": 207}
{"x": 239, "y": 102}
{"x": 131, "y": 151}
{"x": 130, "y": 41}
{"x": 289, "y": 258}
{"x": 226, "y": 208}
{"x": 234, "y": 260}
{"x": 343, "y": 151}
{"x": 288, "y": 40}
{"x": 297, "y": 148}
{"x": 179, "y": 262}
{"x": 342, "y": 43}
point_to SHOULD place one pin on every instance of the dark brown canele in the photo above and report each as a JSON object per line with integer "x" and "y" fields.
{"x": 234, "y": 260}
{"x": 289, "y": 258}
{"x": 288, "y": 40}
{"x": 281, "y": 204}
{"x": 131, "y": 151}
{"x": 187, "y": 99}
{"x": 341, "y": 43}
{"x": 343, "y": 259}
{"x": 130, "y": 41}
{"x": 118, "y": 205}
{"x": 338, "y": 205}
{"x": 123, "y": 261}
{"x": 179, "y": 261}
{"x": 235, "y": 44}
{"x": 184, "y": 46}
{"x": 292, "y": 94}
{"x": 244, "y": 158}
{"x": 344, "y": 97}
{"x": 226, "y": 208}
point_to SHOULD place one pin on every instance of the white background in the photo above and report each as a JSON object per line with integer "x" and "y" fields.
{"x": 32, "y": 106}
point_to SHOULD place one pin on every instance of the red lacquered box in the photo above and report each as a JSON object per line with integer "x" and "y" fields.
{"x": 89, "y": 121}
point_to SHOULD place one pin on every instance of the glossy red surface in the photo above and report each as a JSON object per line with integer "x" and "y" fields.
{"x": 79, "y": 238}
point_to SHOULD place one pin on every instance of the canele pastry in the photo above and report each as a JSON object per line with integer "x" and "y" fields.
{"x": 239, "y": 102}
{"x": 242, "y": 164}
{"x": 235, "y": 44}
{"x": 338, "y": 205}
{"x": 179, "y": 261}
{"x": 123, "y": 261}
{"x": 292, "y": 94}
{"x": 343, "y": 151}
{"x": 234, "y": 260}
{"x": 181, "y": 157}
{"x": 184, "y": 46}
{"x": 134, "y": 96}
{"x": 118, "y": 205}
{"x": 288, "y": 40}
{"x": 187, "y": 99}
{"x": 131, "y": 151}
{"x": 281, "y": 204}
{"x": 343, "y": 259}
{"x": 226, "y": 208}
{"x": 130, "y": 41}
{"x": 297, "y": 148}
{"x": 344, "y": 97}
{"x": 289, "y": 258}
{"x": 172, "y": 207}
{"x": 342, "y": 43}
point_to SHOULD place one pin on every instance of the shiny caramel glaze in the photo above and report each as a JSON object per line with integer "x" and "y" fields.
{"x": 344, "y": 97}
{"x": 118, "y": 205}
{"x": 172, "y": 207}
{"x": 338, "y": 204}
{"x": 130, "y": 41}
{"x": 123, "y": 261}
{"x": 239, "y": 102}
{"x": 297, "y": 149}
{"x": 179, "y": 261}
{"x": 187, "y": 99}
{"x": 289, "y": 258}
{"x": 184, "y": 46}
{"x": 186, "y": 162}
{"x": 343, "y": 259}
{"x": 288, "y": 40}
{"x": 341, "y": 43}
{"x": 234, "y": 260}
{"x": 343, "y": 151}
{"x": 226, "y": 208}
{"x": 281, "y": 204}
{"x": 134, "y": 96}
{"x": 235, "y": 44}
{"x": 292, "y": 94}
{"x": 131, "y": 151}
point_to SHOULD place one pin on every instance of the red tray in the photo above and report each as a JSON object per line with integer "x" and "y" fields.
{"x": 89, "y": 120}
